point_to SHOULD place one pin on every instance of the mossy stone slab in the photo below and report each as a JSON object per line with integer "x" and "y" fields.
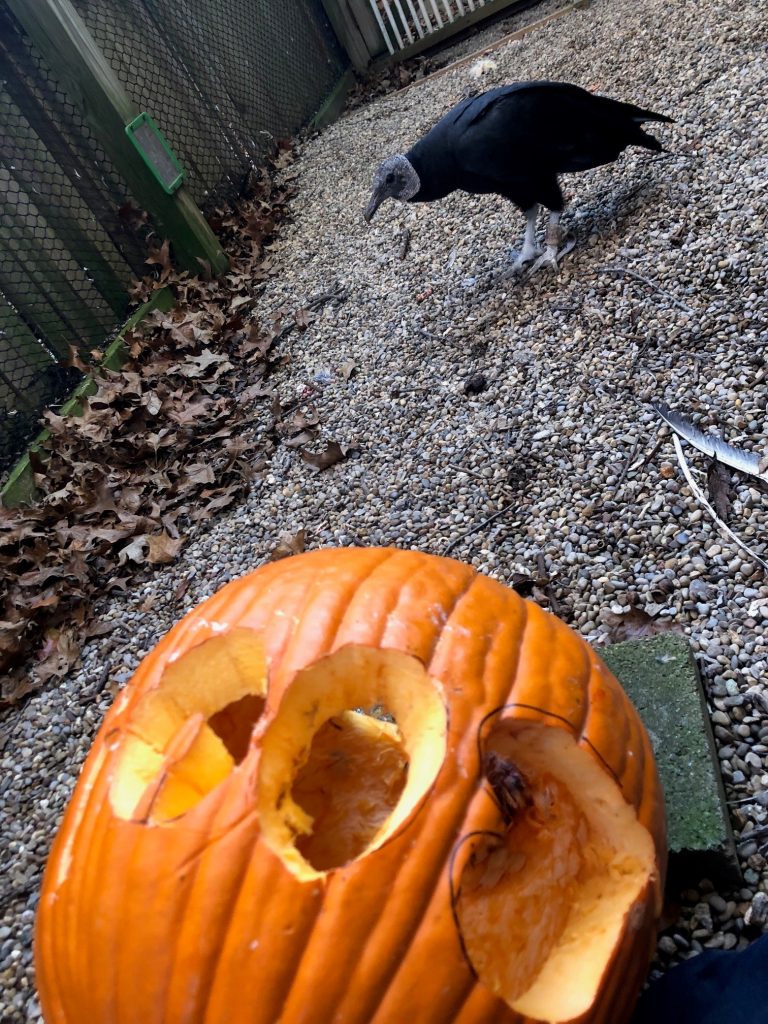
{"x": 661, "y": 678}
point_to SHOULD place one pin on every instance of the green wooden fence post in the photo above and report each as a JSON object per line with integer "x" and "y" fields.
{"x": 64, "y": 41}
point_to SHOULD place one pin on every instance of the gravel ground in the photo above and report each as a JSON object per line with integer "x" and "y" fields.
{"x": 562, "y": 436}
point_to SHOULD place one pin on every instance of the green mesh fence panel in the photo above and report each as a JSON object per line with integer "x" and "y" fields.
{"x": 223, "y": 81}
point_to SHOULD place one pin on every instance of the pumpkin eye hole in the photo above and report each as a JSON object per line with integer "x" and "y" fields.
{"x": 185, "y": 736}
{"x": 335, "y": 784}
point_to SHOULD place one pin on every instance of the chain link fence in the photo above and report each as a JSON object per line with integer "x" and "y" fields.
{"x": 223, "y": 81}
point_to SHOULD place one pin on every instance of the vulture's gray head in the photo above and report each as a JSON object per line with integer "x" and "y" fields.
{"x": 395, "y": 178}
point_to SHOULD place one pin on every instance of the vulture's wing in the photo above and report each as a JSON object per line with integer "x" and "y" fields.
{"x": 542, "y": 126}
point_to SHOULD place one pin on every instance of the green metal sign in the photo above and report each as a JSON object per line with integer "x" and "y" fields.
{"x": 155, "y": 152}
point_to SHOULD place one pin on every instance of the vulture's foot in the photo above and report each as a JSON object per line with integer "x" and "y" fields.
{"x": 547, "y": 259}
{"x": 552, "y": 255}
{"x": 528, "y": 253}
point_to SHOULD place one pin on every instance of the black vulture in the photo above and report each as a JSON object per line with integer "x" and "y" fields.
{"x": 514, "y": 141}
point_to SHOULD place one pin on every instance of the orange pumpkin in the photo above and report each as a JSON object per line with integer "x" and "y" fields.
{"x": 486, "y": 844}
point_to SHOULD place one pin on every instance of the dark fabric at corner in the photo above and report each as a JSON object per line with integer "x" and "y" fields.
{"x": 715, "y": 987}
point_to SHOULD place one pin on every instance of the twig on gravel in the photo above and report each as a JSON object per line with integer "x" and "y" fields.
{"x": 652, "y": 453}
{"x": 476, "y": 529}
{"x": 699, "y": 494}
{"x": 628, "y": 463}
{"x": 405, "y": 243}
{"x": 469, "y": 472}
{"x": 95, "y": 689}
{"x": 616, "y": 269}
{"x": 760, "y": 798}
{"x": 336, "y": 295}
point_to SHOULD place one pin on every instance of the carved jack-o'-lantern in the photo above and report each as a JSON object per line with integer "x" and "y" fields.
{"x": 358, "y": 786}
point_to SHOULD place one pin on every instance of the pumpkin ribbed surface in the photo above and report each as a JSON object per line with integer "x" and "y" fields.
{"x": 186, "y": 884}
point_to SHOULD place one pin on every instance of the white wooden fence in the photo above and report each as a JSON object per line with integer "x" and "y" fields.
{"x": 404, "y": 22}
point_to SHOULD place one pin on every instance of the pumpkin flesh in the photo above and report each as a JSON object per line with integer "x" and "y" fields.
{"x": 558, "y": 883}
{"x": 177, "y": 745}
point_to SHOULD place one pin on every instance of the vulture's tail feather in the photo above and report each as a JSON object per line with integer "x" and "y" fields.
{"x": 639, "y": 115}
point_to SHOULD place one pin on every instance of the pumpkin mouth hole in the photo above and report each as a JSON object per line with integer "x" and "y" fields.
{"x": 349, "y": 785}
{"x": 188, "y": 733}
{"x": 567, "y": 863}
{"x": 336, "y": 783}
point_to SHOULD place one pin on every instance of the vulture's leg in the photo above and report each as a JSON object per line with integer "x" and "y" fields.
{"x": 553, "y": 239}
{"x": 530, "y": 250}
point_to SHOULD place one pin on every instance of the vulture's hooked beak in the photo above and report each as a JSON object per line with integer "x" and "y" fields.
{"x": 377, "y": 198}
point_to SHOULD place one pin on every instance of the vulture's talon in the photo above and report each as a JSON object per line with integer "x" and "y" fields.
{"x": 528, "y": 253}
{"x": 551, "y": 256}
{"x": 547, "y": 259}
{"x": 569, "y": 246}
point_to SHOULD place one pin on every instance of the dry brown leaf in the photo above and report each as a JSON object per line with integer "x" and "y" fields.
{"x": 305, "y": 420}
{"x": 132, "y": 216}
{"x": 47, "y": 600}
{"x": 94, "y": 629}
{"x": 193, "y": 413}
{"x": 523, "y": 584}
{"x": 59, "y": 653}
{"x": 719, "y": 488}
{"x": 10, "y": 635}
{"x": 206, "y": 271}
{"x": 152, "y": 403}
{"x": 634, "y": 624}
{"x": 16, "y": 685}
{"x": 200, "y": 473}
{"x": 163, "y": 549}
{"x": 161, "y": 257}
{"x": 305, "y": 437}
{"x": 347, "y": 369}
{"x": 288, "y": 544}
{"x": 76, "y": 360}
{"x": 255, "y": 391}
{"x": 196, "y": 366}
{"x": 331, "y": 454}
{"x": 133, "y": 552}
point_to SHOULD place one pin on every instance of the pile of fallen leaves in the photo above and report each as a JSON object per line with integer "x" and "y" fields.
{"x": 174, "y": 437}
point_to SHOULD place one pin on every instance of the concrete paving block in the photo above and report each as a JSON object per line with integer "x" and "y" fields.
{"x": 661, "y": 678}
